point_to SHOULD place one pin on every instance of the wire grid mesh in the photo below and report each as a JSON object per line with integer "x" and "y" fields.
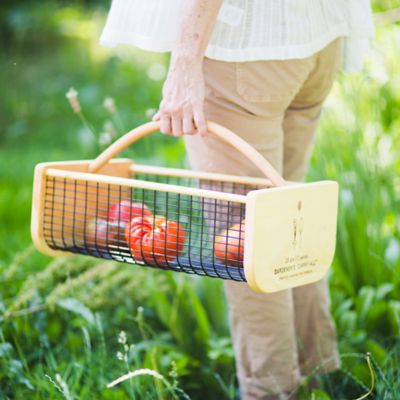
{"x": 179, "y": 232}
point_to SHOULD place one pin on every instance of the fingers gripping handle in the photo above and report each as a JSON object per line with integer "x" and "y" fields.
{"x": 223, "y": 133}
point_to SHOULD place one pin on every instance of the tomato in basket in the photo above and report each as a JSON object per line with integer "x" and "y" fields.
{"x": 103, "y": 234}
{"x": 154, "y": 239}
{"x": 229, "y": 245}
{"x": 126, "y": 210}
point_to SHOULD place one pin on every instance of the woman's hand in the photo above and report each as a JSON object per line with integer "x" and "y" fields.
{"x": 182, "y": 107}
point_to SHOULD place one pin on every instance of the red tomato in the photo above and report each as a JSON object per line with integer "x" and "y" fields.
{"x": 126, "y": 210}
{"x": 229, "y": 245}
{"x": 155, "y": 240}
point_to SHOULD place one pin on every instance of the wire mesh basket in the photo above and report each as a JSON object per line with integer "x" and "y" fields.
{"x": 267, "y": 232}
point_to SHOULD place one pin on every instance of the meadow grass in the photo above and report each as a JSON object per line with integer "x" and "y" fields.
{"x": 61, "y": 320}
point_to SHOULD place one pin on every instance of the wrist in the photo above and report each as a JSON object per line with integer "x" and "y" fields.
{"x": 181, "y": 59}
{"x": 185, "y": 65}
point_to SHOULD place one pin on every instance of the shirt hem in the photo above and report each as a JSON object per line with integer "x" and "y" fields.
{"x": 276, "y": 53}
{"x": 112, "y": 38}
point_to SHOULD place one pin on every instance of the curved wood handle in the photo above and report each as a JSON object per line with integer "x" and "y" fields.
{"x": 223, "y": 133}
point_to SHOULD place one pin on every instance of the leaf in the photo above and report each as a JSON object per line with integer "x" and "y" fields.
{"x": 319, "y": 394}
{"x": 220, "y": 349}
{"x": 77, "y": 307}
{"x": 344, "y": 280}
{"x": 5, "y": 349}
{"x": 26, "y": 382}
{"x": 392, "y": 252}
{"x": 364, "y": 301}
{"x": 394, "y": 316}
{"x": 376, "y": 319}
{"x": 203, "y": 326}
{"x": 348, "y": 322}
{"x": 358, "y": 336}
{"x": 377, "y": 351}
{"x": 383, "y": 290}
{"x": 345, "y": 305}
{"x": 16, "y": 369}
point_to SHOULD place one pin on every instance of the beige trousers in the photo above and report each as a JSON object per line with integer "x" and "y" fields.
{"x": 275, "y": 106}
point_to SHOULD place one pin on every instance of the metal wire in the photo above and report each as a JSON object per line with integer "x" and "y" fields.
{"x": 152, "y": 228}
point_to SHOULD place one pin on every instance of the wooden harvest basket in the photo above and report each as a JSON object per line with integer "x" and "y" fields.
{"x": 267, "y": 232}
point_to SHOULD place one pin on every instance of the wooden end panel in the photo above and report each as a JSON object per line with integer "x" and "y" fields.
{"x": 290, "y": 235}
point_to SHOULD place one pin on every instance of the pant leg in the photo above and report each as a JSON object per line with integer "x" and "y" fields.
{"x": 315, "y": 329}
{"x": 262, "y": 326}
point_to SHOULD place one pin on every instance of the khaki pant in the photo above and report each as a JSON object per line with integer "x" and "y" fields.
{"x": 275, "y": 106}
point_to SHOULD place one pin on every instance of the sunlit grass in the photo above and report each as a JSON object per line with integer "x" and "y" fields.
{"x": 63, "y": 316}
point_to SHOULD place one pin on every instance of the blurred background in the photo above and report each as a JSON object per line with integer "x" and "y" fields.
{"x": 69, "y": 326}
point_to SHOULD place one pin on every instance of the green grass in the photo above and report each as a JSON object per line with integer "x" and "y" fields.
{"x": 60, "y": 320}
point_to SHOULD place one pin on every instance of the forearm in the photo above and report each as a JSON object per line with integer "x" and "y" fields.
{"x": 182, "y": 107}
{"x": 197, "y": 23}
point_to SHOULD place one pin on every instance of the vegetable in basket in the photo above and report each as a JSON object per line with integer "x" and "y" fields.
{"x": 229, "y": 245}
{"x": 126, "y": 210}
{"x": 154, "y": 239}
{"x": 103, "y": 234}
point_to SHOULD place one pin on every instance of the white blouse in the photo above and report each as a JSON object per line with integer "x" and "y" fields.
{"x": 248, "y": 30}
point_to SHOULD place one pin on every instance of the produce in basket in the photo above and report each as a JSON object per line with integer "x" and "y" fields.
{"x": 154, "y": 239}
{"x": 68, "y": 194}
{"x": 229, "y": 245}
{"x": 126, "y": 210}
{"x": 103, "y": 234}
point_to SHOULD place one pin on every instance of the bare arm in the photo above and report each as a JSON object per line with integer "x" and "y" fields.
{"x": 182, "y": 106}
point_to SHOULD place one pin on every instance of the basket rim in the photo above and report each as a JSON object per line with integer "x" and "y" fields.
{"x": 212, "y": 176}
{"x": 141, "y": 184}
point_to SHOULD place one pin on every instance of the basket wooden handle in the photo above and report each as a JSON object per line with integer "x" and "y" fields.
{"x": 223, "y": 133}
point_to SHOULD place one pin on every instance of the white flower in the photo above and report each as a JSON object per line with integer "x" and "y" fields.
{"x": 109, "y": 128}
{"x": 150, "y": 112}
{"x": 109, "y": 105}
{"x": 156, "y": 72}
{"x": 72, "y": 96}
{"x": 122, "y": 337}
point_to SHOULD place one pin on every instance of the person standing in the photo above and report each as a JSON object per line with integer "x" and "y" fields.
{"x": 263, "y": 69}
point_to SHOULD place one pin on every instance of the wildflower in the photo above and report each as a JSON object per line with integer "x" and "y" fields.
{"x": 110, "y": 129}
{"x": 122, "y": 337}
{"x": 156, "y": 72}
{"x": 72, "y": 96}
{"x": 150, "y": 112}
{"x": 120, "y": 356}
{"x": 104, "y": 139}
{"x": 109, "y": 105}
{"x": 64, "y": 387}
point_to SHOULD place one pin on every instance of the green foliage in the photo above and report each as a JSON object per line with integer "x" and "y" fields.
{"x": 384, "y": 5}
{"x": 72, "y": 325}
